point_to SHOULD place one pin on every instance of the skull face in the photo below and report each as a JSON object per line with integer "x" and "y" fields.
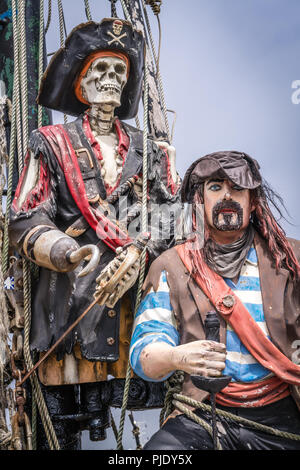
{"x": 104, "y": 81}
{"x": 117, "y": 27}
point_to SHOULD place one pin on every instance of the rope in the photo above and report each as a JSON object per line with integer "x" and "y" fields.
{"x": 41, "y": 58}
{"x": 4, "y": 320}
{"x": 49, "y": 430}
{"x": 174, "y": 385}
{"x": 113, "y": 9}
{"x": 12, "y": 149}
{"x": 230, "y": 416}
{"x": 143, "y": 256}
{"x": 155, "y": 5}
{"x": 62, "y": 34}
{"x": 49, "y": 16}
{"x": 113, "y": 425}
{"x": 23, "y": 74}
{"x": 48, "y": 426}
{"x": 198, "y": 420}
{"x": 158, "y": 75}
{"x": 87, "y": 10}
{"x": 126, "y": 12}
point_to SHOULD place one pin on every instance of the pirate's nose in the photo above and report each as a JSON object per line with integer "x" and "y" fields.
{"x": 227, "y": 196}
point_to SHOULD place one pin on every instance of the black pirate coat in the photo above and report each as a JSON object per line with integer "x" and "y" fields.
{"x": 58, "y": 199}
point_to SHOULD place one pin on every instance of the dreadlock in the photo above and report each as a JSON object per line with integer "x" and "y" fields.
{"x": 266, "y": 225}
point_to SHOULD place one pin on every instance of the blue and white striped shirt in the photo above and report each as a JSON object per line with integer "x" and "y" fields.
{"x": 155, "y": 321}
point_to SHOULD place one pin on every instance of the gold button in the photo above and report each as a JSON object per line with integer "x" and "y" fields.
{"x": 111, "y": 313}
{"x": 110, "y": 341}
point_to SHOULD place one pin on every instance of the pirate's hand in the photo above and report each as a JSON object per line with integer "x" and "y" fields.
{"x": 110, "y": 288}
{"x": 203, "y": 357}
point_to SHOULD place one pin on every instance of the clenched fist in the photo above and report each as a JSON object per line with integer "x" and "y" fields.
{"x": 203, "y": 357}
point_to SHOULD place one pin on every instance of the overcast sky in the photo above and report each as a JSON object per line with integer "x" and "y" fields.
{"x": 228, "y": 67}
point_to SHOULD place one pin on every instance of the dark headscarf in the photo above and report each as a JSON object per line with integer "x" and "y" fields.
{"x": 237, "y": 167}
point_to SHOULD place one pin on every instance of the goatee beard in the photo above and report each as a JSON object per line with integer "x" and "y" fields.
{"x": 227, "y": 221}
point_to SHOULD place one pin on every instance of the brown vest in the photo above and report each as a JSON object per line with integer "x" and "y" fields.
{"x": 281, "y": 303}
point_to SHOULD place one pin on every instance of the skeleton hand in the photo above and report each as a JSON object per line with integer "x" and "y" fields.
{"x": 206, "y": 358}
{"x": 114, "y": 292}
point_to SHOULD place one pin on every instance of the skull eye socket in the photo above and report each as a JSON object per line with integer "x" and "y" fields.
{"x": 102, "y": 66}
{"x": 120, "y": 68}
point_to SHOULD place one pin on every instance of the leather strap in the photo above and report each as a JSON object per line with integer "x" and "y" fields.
{"x": 231, "y": 308}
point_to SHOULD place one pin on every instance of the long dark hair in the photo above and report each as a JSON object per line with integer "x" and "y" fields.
{"x": 264, "y": 223}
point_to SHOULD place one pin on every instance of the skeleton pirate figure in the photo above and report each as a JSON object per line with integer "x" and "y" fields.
{"x": 242, "y": 272}
{"x": 67, "y": 209}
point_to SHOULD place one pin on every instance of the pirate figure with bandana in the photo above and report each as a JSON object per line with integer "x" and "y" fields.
{"x": 239, "y": 266}
{"x": 67, "y": 210}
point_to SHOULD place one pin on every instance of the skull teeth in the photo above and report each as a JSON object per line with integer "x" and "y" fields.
{"x": 108, "y": 87}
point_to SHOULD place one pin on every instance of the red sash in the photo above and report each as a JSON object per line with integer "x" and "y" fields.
{"x": 60, "y": 143}
{"x": 231, "y": 308}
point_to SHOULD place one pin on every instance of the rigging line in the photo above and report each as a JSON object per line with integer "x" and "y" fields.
{"x": 23, "y": 74}
{"x": 12, "y": 148}
{"x": 127, "y": 16}
{"x": 48, "y": 427}
{"x": 159, "y": 79}
{"x": 41, "y": 59}
{"x": 113, "y": 8}
{"x": 62, "y": 23}
{"x": 143, "y": 256}
{"x": 87, "y": 10}
{"x": 49, "y": 16}
{"x": 62, "y": 34}
{"x": 173, "y": 124}
{"x": 159, "y": 45}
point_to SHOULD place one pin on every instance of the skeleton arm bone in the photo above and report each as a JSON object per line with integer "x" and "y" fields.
{"x": 206, "y": 358}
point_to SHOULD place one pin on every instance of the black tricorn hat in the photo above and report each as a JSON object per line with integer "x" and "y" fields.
{"x": 111, "y": 34}
{"x": 237, "y": 167}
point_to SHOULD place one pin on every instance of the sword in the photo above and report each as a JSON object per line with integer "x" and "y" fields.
{"x": 106, "y": 289}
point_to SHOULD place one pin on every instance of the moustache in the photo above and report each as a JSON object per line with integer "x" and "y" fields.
{"x": 230, "y": 206}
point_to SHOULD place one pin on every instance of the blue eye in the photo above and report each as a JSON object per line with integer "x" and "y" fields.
{"x": 215, "y": 187}
{"x": 237, "y": 188}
